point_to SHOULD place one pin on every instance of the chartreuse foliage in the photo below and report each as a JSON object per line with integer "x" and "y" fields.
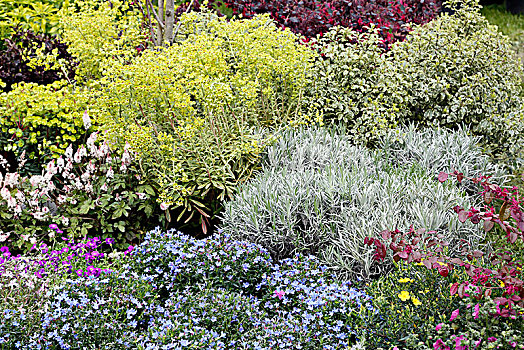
{"x": 37, "y": 16}
{"x": 189, "y": 110}
{"x": 41, "y": 121}
{"x": 99, "y": 34}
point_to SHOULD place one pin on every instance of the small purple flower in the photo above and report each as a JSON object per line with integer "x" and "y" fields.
{"x": 53, "y": 227}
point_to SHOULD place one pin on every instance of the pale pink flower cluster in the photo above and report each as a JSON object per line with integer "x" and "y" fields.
{"x": 74, "y": 171}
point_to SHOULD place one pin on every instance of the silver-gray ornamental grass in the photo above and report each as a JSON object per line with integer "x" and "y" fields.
{"x": 318, "y": 194}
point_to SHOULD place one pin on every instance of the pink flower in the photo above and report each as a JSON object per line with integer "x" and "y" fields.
{"x": 164, "y": 206}
{"x": 454, "y": 315}
{"x": 439, "y": 345}
{"x": 279, "y": 294}
{"x": 438, "y": 327}
{"x": 476, "y": 311}
{"x": 478, "y": 343}
{"x": 458, "y": 342}
{"x": 492, "y": 339}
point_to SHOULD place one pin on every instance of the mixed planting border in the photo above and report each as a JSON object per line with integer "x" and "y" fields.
{"x": 304, "y": 149}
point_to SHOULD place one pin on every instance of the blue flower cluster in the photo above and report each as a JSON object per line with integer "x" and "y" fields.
{"x": 177, "y": 292}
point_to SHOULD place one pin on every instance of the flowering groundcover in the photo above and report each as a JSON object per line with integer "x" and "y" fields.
{"x": 175, "y": 292}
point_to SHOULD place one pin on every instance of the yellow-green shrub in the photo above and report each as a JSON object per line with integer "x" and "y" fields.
{"x": 189, "y": 109}
{"x": 97, "y": 35}
{"x": 37, "y": 16}
{"x": 41, "y": 120}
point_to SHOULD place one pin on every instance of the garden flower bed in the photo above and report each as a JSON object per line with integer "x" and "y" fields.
{"x": 260, "y": 175}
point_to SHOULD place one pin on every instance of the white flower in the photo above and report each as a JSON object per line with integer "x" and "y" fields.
{"x": 4, "y": 192}
{"x": 86, "y": 120}
{"x": 69, "y": 152}
{"x": 32, "y": 240}
{"x": 85, "y": 176}
{"x": 65, "y": 221}
{"x": 104, "y": 187}
{"x": 20, "y": 196}
{"x": 164, "y": 206}
{"x": 51, "y": 168}
{"x": 78, "y": 156}
{"x": 11, "y": 202}
{"x": 141, "y": 195}
{"x": 60, "y": 162}
{"x": 110, "y": 173}
{"x": 22, "y": 160}
{"x": 35, "y": 180}
{"x": 4, "y": 236}
{"x": 11, "y": 179}
{"x": 103, "y": 150}
{"x": 39, "y": 216}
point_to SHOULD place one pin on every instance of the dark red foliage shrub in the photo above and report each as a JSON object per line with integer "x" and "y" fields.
{"x": 14, "y": 64}
{"x": 497, "y": 274}
{"x": 315, "y": 17}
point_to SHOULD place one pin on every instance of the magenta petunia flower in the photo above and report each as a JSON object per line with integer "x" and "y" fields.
{"x": 454, "y": 315}
{"x": 439, "y": 327}
{"x": 476, "y": 311}
{"x": 439, "y": 345}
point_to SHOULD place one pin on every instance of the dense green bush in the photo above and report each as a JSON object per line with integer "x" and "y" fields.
{"x": 190, "y": 110}
{"x": 454, "y": 70}
{"x": 37, "y": 16}
{"x": 320, "y": 195}
{"x": 411, "y": 300}
{"x": 460, "y": 69}
{"x": 352, "y": 74}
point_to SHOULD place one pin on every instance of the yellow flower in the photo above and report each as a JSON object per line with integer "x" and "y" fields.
{"x": 403, "y": 295}
{"x": 502, "y": 283}
{"x": 415, "y": 301}
{"x": 405, "y": 280}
